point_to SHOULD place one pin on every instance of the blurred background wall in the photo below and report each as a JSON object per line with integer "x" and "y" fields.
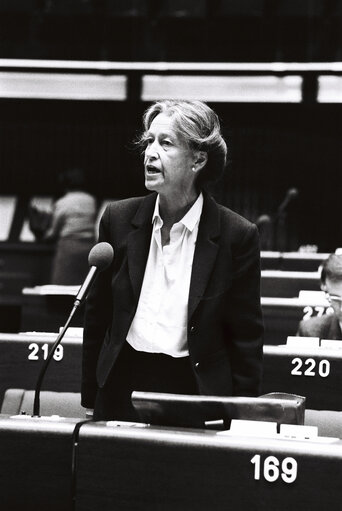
{"x": 290, "y": 140}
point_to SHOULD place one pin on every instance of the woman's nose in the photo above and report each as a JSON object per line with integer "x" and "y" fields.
{"x": 151, "y": 151}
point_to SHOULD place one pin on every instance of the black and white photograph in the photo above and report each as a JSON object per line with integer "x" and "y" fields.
{"x": 170, "y": 255}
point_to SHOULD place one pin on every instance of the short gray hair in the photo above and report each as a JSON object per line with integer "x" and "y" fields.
{"x": 200, "y": 127}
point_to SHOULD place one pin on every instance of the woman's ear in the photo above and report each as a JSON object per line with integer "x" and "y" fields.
{"x": 201, "y": 158}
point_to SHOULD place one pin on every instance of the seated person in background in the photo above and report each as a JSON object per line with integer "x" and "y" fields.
{"x": 327, "y": 326}
{"x": 73, "y": 229}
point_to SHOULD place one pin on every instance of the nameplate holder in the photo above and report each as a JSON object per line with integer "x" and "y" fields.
{"x": 126, "y": 424}
{"x": 297, "y": 432}
{"x": 331, "y": 344}
{"x": 298, "y": 342}
{"x": 73, "y": 331}
{"x": 313, "y": 297}
{"x": 249, "y": 428}
{"x": 51, "y": 418}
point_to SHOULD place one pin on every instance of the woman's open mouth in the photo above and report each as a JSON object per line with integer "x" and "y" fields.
{"x": 152, "y": 170}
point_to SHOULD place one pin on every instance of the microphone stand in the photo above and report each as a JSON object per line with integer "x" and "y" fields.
{"x": 36, "y": 403}
{"x": 100, "y": 257}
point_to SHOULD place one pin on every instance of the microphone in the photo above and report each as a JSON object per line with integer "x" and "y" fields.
{"x": 99, "y": 259}
{"x": 263, "y": 220}
{"x": 290, "y": 194}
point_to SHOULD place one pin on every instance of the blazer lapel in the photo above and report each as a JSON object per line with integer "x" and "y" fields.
{"x": 205, "y": 252}
{"x": 138, "y": 242}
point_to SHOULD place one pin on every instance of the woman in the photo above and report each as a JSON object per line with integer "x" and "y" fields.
{"x": 179, "y": 309}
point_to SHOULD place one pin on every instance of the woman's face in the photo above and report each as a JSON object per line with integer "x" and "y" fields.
{"x": 168, "y": 160}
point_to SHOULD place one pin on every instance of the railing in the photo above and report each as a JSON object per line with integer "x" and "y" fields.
{"x": 276, "y": 82}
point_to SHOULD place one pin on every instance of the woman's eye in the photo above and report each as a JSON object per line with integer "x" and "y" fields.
{"x": 167, "y": 142}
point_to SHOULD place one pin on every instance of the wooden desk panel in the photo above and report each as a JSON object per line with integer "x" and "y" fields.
{"x": 292, "y": 261}
{"x": 33, "y": 258}
{"x": 288, "y": 284}
{"x": 35, "y": 469}
{"x": 21, "y": 358}
{"x": 282, "y": 317}
{"x": 154, "y": 469}
{"x": 314, "y": 373}
{"x": 47, "y": 313}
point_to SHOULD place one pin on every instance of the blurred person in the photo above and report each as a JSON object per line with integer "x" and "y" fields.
{"x": 179, "y": 309}
{"x": 39, "y": 217}
{"x": 72, "y": 228}
{"x": 327, "y": 326}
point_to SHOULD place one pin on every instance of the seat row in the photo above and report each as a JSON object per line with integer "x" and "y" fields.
{"x": 298, "y": 368}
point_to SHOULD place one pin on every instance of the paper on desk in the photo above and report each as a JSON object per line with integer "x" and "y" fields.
{"x": 51, "y": 289}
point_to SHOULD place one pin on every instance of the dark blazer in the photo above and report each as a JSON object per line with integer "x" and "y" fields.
{"x": 324, "y": 327}
{"x": 224, "y": 314}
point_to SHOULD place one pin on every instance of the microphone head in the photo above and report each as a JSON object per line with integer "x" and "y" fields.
{"x": 263, "y": 219}
{"x": 101, "y": 255}
{"x": 292, "y": 192}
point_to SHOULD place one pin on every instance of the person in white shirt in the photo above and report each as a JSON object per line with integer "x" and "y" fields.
{"x": 179, "y": 309}
{"x": 72, "y": 229}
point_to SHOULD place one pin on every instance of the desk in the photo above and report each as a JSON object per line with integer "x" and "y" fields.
{"x": 151, "y": 468}
{"x": 282, "y": 316}
{"x": 35, "y": 469}
{"x": 315, "y": 373}
{"x": 22, "y": 356}
{"x": 21, "y": 265}
{"x": 159, "y": 468}
{"x": 48, "y": 312}
{"x": 33, "y": 258}
{"x": 292, "y": 261}
{"x": 10, "y": 313}
{"x": 46, "y": 308}
{"x": 287, "y": 284}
